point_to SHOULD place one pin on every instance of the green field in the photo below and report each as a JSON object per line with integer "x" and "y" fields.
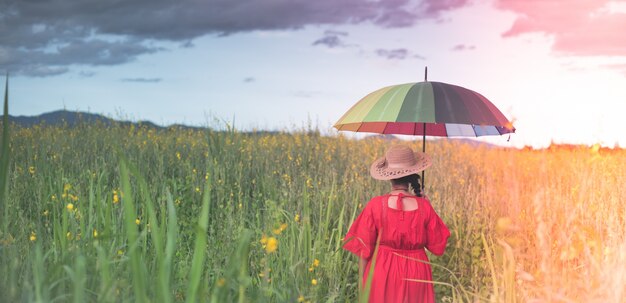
{"x": 116, "y": 214}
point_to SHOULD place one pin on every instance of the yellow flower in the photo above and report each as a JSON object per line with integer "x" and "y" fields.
{"x": 69, "y": 235}
{"x": 70, "y": 206}
{"x": 296, "y": 218}
{"x": 178, "y": 155}
{"x": 67, "y": 187}
{"x": 137, "y": 221}
{"x": 314, "y": 282}
{"x": 280, "y": 229}
{"x": 116, "y": 198}
{"x": 120, "y": 252}
{"x": 272, "y": 245}
{"x": 46, "y": 212}
{"x": 197, "y": 189}
{"x": 73, "y": 198}
{"x": 310, "y": 268}
{"x": 31, "y": 170}
{"x": 33, "y": 236}
{"x": 53, "y": 198}
{"x": 221, "y": 282}
{"x": 316, "y": 263}
{"x": 301, "y": 298}
{"x": 95, "y": 233}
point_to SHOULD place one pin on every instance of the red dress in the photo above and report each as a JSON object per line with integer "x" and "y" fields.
{"x": 403, "y": 237}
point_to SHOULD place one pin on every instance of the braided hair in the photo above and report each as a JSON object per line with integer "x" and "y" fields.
{"x": 413, "y": 180}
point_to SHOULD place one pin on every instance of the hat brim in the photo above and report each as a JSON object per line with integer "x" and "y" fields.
{"x": 381, "y": 171}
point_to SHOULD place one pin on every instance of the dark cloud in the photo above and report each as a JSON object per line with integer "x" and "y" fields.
{"x": 332, "y": 39}
{"x": 463, "y": 47}
{"x": 44, "y": 38}
{"x": 393, "y": 54}
{"x": 142, "y": 80}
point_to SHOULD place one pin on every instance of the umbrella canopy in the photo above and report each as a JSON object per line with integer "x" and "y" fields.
{"x": 426, "y": 108}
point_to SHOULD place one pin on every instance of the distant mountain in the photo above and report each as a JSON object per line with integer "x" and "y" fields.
{"x": 71, "y": 118}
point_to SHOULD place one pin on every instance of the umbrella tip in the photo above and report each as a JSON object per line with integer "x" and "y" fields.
{"x": 425, "y": 73}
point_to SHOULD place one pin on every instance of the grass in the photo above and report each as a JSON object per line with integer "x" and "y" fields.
{"x": 182, "y": 215}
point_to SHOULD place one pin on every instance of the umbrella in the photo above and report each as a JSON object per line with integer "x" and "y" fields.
{"x": 426, "y": 109}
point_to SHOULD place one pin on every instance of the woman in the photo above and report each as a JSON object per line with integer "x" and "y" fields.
{"x": 403, "y": 223}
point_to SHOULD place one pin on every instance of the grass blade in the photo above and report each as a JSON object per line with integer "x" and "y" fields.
{"x": 4, "y": 157}
{"x": 199, "y": 254}
{"x": 132, "y": 234}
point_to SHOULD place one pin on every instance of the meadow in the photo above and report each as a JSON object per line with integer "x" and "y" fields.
{"x": 99, "y": 213}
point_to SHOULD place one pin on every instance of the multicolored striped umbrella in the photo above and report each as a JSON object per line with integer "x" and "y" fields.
{"x": 426, "y": 108}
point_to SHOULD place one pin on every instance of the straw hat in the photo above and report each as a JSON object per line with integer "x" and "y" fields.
{"x": 399, "y": 161}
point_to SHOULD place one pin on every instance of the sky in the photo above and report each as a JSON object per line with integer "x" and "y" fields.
{"x": 556, "y": 68}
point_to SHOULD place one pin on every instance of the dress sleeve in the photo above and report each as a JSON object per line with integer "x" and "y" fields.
{"x": 437, "y": 233}
{"x": 361, "y": 237}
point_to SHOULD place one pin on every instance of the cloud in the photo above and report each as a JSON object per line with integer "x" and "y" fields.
{"x": 579, "y": 27}
{"x": 142, "y": 80}
{"x": 463, "y": 47}
{"x": 86, "y": 74}
{"x": 397, "y": 54}
{"x": 332, "y": 39}
{"x": 44, "y": 38}
{"x": 249, "y": 79}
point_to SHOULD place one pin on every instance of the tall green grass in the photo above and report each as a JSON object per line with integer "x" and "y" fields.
{"x": 179, "y": 215}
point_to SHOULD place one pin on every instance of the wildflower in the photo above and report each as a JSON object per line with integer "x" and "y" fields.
{"x": 69, "y": 235}
{"x": 197, "y": 189}
{"x": 272, "y": 245}
{"x": 280, "y": 229}
{"x": 314, "y": 282}
{"x": 301, "y": 298}
{"x": 95, "y": 233}
{"x": 137, "y": 221}
{"x": 221, "y": 282}
{"x": 240, "y": 205}
{"x": 120, "y": 252}
{"x": 504, "y": 224}
{"x": 116, "y": 198}
{"x": 178, "y": 155}
{"x": 67, "y": 187}
{"x": 296, "y": 218}
{"x": 46, "y": 212}
{"x": 311, "y": 269}
{"x": 70, "y": 206}
{"x": 316, "y": 263}
{"x": 33, "y": 236}
{"x": 53, "y": 197}
{"x": 31, "y": 170}
{"x": 73, "y": 198}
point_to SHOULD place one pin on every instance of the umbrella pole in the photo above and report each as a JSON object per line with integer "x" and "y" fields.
{"x": 424, "y": 151}
{"x": 424, "y": 133}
